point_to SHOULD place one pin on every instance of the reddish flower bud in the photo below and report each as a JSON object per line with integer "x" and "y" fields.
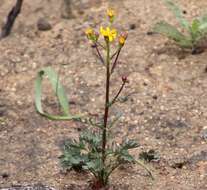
{"x": 125, "y": 79}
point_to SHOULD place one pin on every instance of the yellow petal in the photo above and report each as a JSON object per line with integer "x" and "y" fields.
{"x": 114, "y": 33}
{"x": 111, "y": 38}
{"x": 108, "y": 30}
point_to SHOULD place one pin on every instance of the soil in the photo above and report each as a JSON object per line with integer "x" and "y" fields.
{"x": 166, "y": 111}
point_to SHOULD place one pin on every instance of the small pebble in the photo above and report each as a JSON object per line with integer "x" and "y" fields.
{"x": 43, "y": 24}
{"x": 5, "y": 175}
{"x": 132, "y": 26}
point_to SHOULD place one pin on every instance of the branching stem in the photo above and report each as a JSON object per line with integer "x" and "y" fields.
{"x": 118, "y": 93}
{"x": 106, "y": 112}
{"x": 99, "y": 54}
{"x": 116, "y": 59}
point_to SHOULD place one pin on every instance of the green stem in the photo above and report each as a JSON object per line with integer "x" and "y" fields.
{"x": 139, "y": 162}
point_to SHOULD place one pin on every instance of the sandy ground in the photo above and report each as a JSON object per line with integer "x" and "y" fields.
{"x": 167, "y": 111}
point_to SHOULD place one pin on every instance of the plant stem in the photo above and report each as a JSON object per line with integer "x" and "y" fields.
{"x": 114, "y": 54}
{"x": 99, "y": 54}
{"x": 139, "y": 162}
{"x": 106, "y": 112}
{"x": 101, "y": 45}
{"x": 116, "y": 59}
{"x": 117, "y": 95}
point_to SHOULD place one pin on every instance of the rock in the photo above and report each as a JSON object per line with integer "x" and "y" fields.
{"x": 5, "y": 175}
{"x": 43, "y": 24}
{"x": 132, "y": 26}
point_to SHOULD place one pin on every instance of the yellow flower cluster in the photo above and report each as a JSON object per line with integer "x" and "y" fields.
{"x": 109, "y": 34}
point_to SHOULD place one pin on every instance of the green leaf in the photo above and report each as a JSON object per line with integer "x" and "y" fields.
{"x": 122, "y": 152}
{"x": 127, "y": 158}
{"x": 203, "y": 19}
{"x": 171, "y": 32}
{"x": 178, "y": 13}
{"x": 203, "y": 24}
{"x": 195, "y": 31}
{"x": 60, "y": 93}
{"x": 195, "y": 26}
{"x": 168, "y": 30}
{"x": 129, "y": 144}
{"x": 92, "y": 140}
{"x": 95, "y": 165}
{"x": 72, "y": 157}
{"x": 199, "y": 30}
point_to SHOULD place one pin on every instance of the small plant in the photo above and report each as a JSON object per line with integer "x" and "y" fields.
{"x": 194, "y": 34}
{"x": 95, "y": 150}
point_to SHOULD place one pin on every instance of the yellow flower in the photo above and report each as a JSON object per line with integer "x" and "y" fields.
{"x": 109, "y": 34}
{"x": 92, "y": 35}
{"x": 89, "y": 32}
{"x": 111, "y": 14}
{"x": 122, "y": 39}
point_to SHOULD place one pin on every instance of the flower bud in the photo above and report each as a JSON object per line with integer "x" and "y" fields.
{"x": 122, "y": 38}
{"x": 111, "y": 14}
{"x": 125, "y": 79}
{"x": 92, "y": 35}
{"x": 89, "y": 32}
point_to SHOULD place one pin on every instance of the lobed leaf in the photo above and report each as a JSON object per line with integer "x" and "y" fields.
{"x": 91, "y": 139}
{"x": 129, "y": 144}
{"x": 72, "y": 157}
